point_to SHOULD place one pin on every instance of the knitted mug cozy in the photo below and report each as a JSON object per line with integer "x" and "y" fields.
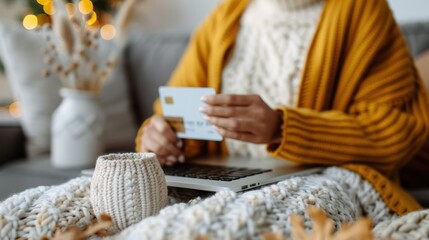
{"x": 128, "y": 187}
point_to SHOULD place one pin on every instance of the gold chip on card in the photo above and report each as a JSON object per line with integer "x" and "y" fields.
{"x": 169, "y": 100}
{"x": 182, "y": 105}
{"x": 177, "y": 123}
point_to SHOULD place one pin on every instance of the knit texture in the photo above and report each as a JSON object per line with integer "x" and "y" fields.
{"x": 228, "y": 215}
{"x": 412, "y": 226}
{"x": 360, "y": 103}
{"x": 128, "y": 187}
{"x": 39, "y": 211}
{"x": 269, "y": 56}
{"x": 292, "y": 5}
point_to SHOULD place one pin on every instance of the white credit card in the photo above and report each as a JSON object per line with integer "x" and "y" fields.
{"x": 180, "y": 109}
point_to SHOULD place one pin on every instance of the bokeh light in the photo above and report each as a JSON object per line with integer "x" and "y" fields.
{"x": 42, "y": 19}
{"x": 106, "y": 17}
{"x": 107, "y": 32}
{"x": 15, "y": 110}
{"x": 43, "y": 2}
{"x": 49, "y": 8}
{"x": 92, "y": 19}
{"x": 94, "y": 27}
{"x": 30, "y": 22}
{"x": 86, "y": 6}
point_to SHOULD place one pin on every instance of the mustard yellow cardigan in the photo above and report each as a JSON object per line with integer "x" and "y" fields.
{"x": 361, "y": 104}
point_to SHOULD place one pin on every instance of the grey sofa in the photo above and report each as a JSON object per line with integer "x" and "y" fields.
{"x": 150, "y": 59}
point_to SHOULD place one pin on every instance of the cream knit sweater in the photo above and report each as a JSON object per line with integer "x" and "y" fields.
{"x": 269, "y": 56}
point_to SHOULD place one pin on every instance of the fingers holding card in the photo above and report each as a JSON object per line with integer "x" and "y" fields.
{"x": 180, "y": 106}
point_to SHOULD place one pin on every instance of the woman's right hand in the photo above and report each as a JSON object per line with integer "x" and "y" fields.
{"x": 158, "y": 137}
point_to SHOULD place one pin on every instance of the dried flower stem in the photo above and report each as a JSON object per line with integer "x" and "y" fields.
{"x": 77, "y": 60}
{"x": 63, "y": 28}
{"x": 123, "y": 19}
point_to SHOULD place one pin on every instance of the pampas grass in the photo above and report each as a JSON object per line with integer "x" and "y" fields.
{"x": 123, "y": 19}
{"x": 64, "y": 31}
{"x": 73, "y": 51}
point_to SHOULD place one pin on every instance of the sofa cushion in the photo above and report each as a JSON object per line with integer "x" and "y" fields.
{"x": 21, "y": 55}
{"x": 152, "y": 57}
{"x": 422, "y": 196}
{"x": 39, "y": 97}
{"x": 417, "y": 37}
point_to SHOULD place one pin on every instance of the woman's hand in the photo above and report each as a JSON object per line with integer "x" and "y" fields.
{"x": 158, "y": 137}
{"x": 243, "y": 117}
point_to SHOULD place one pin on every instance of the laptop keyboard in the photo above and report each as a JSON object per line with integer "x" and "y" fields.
{"x": 218, "y": 173}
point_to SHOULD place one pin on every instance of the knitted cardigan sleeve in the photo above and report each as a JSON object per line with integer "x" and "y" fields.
{"x": 361, "y": 100}
{"x": 377, "y": 113}
{"x": 191, "y": 72}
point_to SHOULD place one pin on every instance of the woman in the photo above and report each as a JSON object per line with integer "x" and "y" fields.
{"x": 318, "y": 82}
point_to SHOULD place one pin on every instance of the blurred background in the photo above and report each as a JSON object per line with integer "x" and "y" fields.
{"x": 149, "y": 60}
{"x": 182, "y": 15}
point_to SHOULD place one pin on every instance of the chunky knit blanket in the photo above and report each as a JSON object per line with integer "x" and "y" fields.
{"x": 342, "y": 194}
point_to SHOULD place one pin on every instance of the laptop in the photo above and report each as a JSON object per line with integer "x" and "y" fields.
{"x": 180, "y": 106}
{"x": 230, "y": 173}
{"x": 233, "y": 173}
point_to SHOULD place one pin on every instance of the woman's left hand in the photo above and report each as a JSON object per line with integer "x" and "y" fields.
{"x": 243, "y": 117}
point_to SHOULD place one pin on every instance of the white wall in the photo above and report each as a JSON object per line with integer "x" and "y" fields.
{"x": 187, "y": 14}
{"x": 410, "y": 10}
{"x": 176, "y": 14}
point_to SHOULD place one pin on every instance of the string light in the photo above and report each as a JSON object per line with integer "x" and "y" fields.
{"x": 15, "y": 109}
{"x": 42, "y": 19}
{"x": 107, "y": 32}
{"x": 94, "y": 27}
{"x": 49, "y": 8}
{"x": 86, "y": 6}
{"x": 92, "y": 19}
{"x": 43, "y": 2}
{"x": 30, "y": 22}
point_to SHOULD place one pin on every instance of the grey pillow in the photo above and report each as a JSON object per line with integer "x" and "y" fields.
{"x": 39, "y": 97}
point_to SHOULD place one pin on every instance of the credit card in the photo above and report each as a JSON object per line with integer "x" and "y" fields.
{"x": 180, "y": 109}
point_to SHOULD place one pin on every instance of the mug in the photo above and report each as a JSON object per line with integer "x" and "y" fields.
{"x": 128, "y": 187}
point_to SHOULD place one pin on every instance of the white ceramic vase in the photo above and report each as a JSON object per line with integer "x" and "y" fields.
{"x": 128, "y": 187}
{"x": 77, "y": 130}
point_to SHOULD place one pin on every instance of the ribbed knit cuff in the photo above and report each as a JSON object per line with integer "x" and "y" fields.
{"x": 274, "y": 147}
{"x": 128, "y": 187}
